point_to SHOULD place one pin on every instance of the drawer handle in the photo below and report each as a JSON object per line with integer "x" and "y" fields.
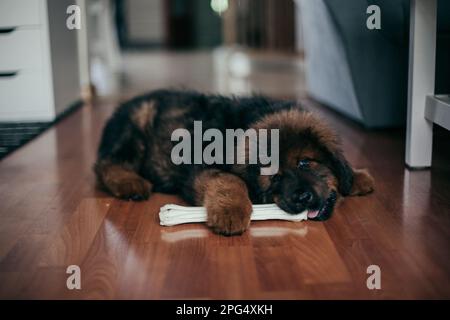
{"x": 8, "y": 74}
{"x": 7, "y": 30}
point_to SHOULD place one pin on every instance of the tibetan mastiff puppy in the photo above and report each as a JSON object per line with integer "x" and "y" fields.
{"x": 134, "y": 158}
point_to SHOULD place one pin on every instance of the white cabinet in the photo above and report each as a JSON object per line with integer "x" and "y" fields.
{"x": 38, "y": 60}
{"x": 19, "y": 13}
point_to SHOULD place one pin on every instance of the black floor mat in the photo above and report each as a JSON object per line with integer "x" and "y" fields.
{"x": 14, "y": 135}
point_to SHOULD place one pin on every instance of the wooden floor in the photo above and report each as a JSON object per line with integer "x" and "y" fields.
{"x": 52, "y": 216}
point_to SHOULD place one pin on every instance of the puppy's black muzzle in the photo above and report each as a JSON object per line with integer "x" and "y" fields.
{"x": 327, "y": 209}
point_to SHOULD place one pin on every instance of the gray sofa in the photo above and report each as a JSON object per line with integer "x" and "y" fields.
{"x": 359, "y": 72}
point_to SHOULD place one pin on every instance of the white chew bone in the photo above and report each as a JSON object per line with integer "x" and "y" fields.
{"x": 172, "y": 214}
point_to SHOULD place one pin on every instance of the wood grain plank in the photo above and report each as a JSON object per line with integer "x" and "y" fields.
{"x": 70, "y": 245}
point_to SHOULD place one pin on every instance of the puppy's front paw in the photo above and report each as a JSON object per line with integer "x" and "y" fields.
{"x": 225, "y": 197}
{"x": 229, "y": 218}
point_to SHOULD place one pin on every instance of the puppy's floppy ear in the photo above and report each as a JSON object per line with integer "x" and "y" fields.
{"x": 342, "y": 171}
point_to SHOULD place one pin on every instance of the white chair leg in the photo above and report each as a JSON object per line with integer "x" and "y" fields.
{"x": 422, "y": 56}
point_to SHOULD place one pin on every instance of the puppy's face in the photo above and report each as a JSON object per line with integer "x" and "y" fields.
{"x": 308, "y": 185}
{"x": 313, "y": 172}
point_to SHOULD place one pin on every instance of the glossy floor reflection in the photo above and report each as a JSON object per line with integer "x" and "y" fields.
{"x": 52, "y": 216}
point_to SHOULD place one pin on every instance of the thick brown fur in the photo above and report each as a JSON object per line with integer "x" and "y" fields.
{"x": 134, "y": 157}
{"x": 225, "y": 197}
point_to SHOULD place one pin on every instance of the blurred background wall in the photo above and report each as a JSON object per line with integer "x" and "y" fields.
{"x": 178, "y": 24}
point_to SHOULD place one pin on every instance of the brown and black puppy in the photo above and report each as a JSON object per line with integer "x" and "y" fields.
{"x": 134, "y": 157}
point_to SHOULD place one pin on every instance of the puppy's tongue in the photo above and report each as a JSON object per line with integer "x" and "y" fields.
{"x": 312, "y": 213}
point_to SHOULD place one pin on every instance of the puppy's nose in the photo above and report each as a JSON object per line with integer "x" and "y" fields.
{"x": 305, "y": 198}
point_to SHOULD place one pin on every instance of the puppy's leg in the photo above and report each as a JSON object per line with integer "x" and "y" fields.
{"x": 122, "y": 182}
{"x": 363, "y": 183}
{"x": 226, "y": 199}
{"x": 122, "y": 152}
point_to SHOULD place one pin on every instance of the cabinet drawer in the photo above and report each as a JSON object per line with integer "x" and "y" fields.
{"x": 21, "y": 49}
{"x": 24, "y": 96}
{"x": 15, "y": 13}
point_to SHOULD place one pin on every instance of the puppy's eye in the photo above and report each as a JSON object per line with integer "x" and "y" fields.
{"x": 303, "y": 164}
